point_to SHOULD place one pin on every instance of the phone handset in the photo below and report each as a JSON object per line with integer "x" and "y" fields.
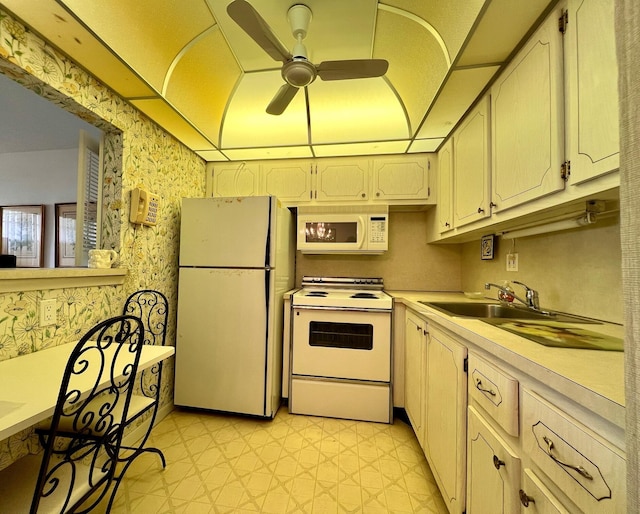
{"x": 144, "y": 207}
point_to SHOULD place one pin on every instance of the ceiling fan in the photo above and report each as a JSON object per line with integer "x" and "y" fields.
{"x": 297, "y": 70}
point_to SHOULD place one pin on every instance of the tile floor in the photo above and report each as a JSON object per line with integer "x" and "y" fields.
{"x": 293, "y": 464}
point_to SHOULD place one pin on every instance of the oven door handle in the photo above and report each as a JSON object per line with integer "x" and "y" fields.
{"x": 348, "y": 309}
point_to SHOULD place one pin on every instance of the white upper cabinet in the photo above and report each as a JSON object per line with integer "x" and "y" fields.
{"x": 592, "y": 72}
{"x": 289, "y": 181}
{"x": 235, "y": 179}
{"x": 445, "y": 190}
{"x": 342, "y": 180}
{"x": 527, "y": 113}
{"x": 401, "y": 178}
{"x": 472, "y": 165}
{"x": 397, "y": 180}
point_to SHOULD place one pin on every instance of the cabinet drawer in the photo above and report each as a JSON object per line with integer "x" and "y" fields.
{"x": 536, "y": 498}
{"x": 494, "y": 391}
{"x": 586, "y": 467}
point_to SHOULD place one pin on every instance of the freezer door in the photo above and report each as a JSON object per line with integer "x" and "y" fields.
{"x": 225, "y": 343}
{"x": 234, "y": 232}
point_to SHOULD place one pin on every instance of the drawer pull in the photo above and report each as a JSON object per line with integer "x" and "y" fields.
{"x": 497, "y": 462}
{"x": 479, "y": 387}
{"x": 578, "y": 469}
{"x": 524, "y": 499}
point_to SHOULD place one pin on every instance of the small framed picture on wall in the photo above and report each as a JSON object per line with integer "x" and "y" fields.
{"x": 486, "y": 247}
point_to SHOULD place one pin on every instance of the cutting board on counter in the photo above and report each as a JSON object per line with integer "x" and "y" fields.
{"x": 560, "y": 335}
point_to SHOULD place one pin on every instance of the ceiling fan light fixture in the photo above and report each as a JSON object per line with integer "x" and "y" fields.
{"x": 299, "y": 72}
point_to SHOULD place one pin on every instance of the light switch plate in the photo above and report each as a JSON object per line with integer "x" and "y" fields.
{"x": 512, "y": 262}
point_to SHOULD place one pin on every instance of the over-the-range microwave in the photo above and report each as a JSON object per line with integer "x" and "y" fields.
{"x": 351, "y": 230}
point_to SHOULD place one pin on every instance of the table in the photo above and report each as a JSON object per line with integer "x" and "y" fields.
{"x": 29, "y": 385}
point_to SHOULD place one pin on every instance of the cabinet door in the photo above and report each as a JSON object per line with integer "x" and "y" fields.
{"x": 289, "y": 181}
{"x": 471, "y": 166}
{"x": 445, "y": 191}
{"x": 527, "y": 120}
{"x": 493, "y": 470}
{"x": 446, "y": 416}
{"x": 535, "y": 498}
{"x": 235, "y": 179}
{"x": 592, "y": 131}
{"x": 414, "y": 355}
{"x": 401, "y": 178}
{"x": 345, "y": 180}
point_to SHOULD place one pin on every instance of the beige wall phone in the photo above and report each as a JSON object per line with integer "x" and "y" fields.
{"x": 144, "y": 207}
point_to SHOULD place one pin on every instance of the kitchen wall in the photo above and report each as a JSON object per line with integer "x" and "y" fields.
{"x": 137, "y": 153}
{"x": 409, "y": 264}
{"x": 576, "y": 271}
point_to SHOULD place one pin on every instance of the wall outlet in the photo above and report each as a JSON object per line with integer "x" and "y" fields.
{"x": 48, "y": 312}
{"x": 512, "y": 262}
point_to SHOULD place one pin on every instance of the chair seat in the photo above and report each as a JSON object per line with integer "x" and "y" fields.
{"x": 18, "y": 481}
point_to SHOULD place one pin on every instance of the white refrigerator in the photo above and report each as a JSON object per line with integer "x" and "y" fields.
{"x": 236, "y": 262}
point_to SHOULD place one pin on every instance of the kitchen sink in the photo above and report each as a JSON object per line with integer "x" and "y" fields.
{"x": 483, "y": 310}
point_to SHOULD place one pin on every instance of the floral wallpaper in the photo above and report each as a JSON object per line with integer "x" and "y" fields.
{"x": 137, "y": 153}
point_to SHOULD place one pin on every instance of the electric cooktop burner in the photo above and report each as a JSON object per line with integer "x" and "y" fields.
{"x": 364, "y": 295}
{"x": 321, "y": 294}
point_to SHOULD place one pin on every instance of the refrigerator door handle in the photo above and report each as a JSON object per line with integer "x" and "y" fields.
{"x": 271, "y": 227}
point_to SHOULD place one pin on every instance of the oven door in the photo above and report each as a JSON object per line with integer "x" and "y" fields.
{"x": 334, "y": 343}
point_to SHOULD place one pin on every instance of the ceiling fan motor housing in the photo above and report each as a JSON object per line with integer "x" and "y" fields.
{"x": 299, "y": 72}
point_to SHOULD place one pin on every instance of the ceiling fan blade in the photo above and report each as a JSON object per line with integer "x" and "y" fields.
{"x": 253, "y": 24}
{"x": 282, "y": 99}
{"x": 352, "y": 69}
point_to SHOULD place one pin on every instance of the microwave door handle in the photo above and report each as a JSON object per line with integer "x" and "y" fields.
{"x": 361, "y": 231}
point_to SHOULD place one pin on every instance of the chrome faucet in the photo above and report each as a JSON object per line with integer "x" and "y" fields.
{"x": 507, "y": 295}
{"x": 531, "y": 295}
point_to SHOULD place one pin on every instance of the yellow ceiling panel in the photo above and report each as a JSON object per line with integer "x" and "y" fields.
{"x": 355, "y": 111}
{"x": 55, "y": 24}
{"x": 147, "y": 34}
{"x": 460, "y": 91}
{"x": 202, "y": 82}
{"x": 417, "y": 63}
{"x": 494, "y": 38}
{"x": 372, "y": 148}
{"x": 286, "y": 152}
{"x": 425, "y": 145}
{"x": 162, "y": 113}
{"x": 452, "y": 19}
{"x": 246, "y": 122}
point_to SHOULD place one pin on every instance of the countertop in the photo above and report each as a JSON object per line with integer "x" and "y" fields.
{"x": 592, "y": 378}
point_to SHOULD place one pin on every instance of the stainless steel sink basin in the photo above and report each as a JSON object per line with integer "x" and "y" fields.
{"x": 483, "y": 310}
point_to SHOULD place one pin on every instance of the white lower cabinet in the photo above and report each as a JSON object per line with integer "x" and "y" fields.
{"x": 536, "y": 498}
{"x": 582, "y": 464}
{"x": 445, "y": 425}
{"x": 494, "y": 445}
{"x": 493, "y": 476}
{"x": 414, "y": 362}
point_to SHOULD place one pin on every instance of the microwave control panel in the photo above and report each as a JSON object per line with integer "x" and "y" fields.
{"x": 378, "y": 231}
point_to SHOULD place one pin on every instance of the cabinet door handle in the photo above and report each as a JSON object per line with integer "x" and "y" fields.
{"x": 578, "y": 469}
{"x": 479, "y": 387}
{"x": 497, "y": 462}
{"x": 480, "y": 210}
{"x": 491, "y": 204}
{"x": 524, "y": 499}
{"x": 447, "y": 224}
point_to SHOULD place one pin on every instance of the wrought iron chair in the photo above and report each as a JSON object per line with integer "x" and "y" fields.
{"x": 82, "y": 443}
{"x": 152, "y": 308}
